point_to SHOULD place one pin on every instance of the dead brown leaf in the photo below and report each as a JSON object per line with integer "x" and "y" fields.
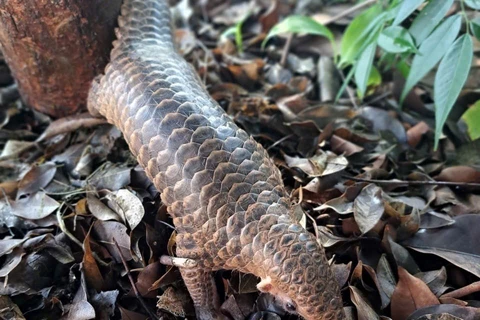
{"x": 410, "y": 294}
{"x": 459, "y": 174}
{"x": 93, "y": 276}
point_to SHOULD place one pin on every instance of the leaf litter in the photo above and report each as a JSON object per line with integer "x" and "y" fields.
{"x": 398, "y": 220}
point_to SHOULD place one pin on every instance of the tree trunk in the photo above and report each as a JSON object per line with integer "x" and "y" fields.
{"x": 55, "y": 48}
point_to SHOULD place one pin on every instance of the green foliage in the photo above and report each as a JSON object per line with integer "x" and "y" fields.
{"x": 429, "y": 18}
{"x": 431, "y": 51}
{"x": 475, "y": 25}
{"x": 396, "y": 39}
{"x": 450, "y": 78}
{"x": 474, "y": 4}
{"x": 299, "y": 24}
{"x": 236, "y": 30}
{"x": 431, "y": 39}
{"x": 363, "y": 30}
{"x": 406, "y": 9}
{"x": 364, "y": 68}
{"x": 472, "y": 119}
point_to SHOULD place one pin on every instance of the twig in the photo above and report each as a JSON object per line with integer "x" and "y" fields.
{"x": 286, "y": 49}
{"x": 459, "y": 293}
{"x": 351, "y": 10}
{"x": 135, "y": 290}
{"x": 416, "y": 183}
{"x": 63, "y": 228}
{"x": 178, "y": 262}
{"x": 280, "y": 141}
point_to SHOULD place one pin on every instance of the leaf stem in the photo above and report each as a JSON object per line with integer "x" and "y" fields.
{"x": 464, "y": 13}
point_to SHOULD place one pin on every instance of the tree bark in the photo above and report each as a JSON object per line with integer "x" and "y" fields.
{"x": 55, "y": 48}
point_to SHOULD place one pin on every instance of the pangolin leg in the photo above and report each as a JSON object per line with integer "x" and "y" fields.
{"x": 201, "y": 287}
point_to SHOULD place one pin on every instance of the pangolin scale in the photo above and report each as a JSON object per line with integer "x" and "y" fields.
{"x": 224, "y": 193}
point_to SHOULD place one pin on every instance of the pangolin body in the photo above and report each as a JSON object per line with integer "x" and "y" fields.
{"x": 225, "y": 195}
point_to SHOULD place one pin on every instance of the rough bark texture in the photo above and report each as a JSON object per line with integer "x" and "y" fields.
{"x": 56, "y": 47}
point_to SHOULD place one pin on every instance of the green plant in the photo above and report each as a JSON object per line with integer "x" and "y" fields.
{"x": 299, "y": 24}
{"x": 431, "y": 39}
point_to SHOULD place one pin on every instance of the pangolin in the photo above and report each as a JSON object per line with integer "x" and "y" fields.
{"x": 225, "y": 195}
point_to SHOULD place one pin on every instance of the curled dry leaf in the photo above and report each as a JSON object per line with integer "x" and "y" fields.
{"x": 368, "y": 208}
{"x": 93, "y": 276}
{"x": 38, "y": 177}
{"x": 386, "y": 281}
{"x": 322, "y": 164}
{"x": 104, "y": 304}
{"x": 401, "y": 255}
{"x": 435, "y": 280}
{"x": 382, "y": 121}
{"x": 111, "y": 177}
{"x": 7, "y": 245}
{"x": 415, "y": 133}
{"x": 238, "y": 307}
{"x": 459, "y": 174}
{"x": 106, "y": 231}
{"x": 128, "y": 206}
{"x": 364, "y": 310}
{"x": 13, "y": 259}
{"x": 345, "y": 147}
{"x": 432, "y": 220}
{"x": 327, "y": 239}
{"x": 70, "y": 124}
{"x": 12, "y": 147}
{"x": 80, "y": 308}
{"x": 410, "y": 294}
{"x": 446, "y": 312}
{"x": 456, "y": 243}
{"x": 341, "y": 272}
{"x": 100, "y": 210}
{"x": 36, "y": 206}
{"x": 146, "y": 277}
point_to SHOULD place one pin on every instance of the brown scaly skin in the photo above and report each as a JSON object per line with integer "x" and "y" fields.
{"x": 225, "y": 195}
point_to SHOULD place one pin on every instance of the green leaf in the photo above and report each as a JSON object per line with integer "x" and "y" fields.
{"x": 364, "y": 68}
{"x": 375, "y": 77}
{"x": 239, "y": 36}
{"x": 404, "y": 68}
{"x": 396, "y": 40}
{"x": 449, "y": 80}
{"x": 299, "y": 24}
{"x": 475, "y": 24}
{"x": 472, "y": 119}
{"x": 228, "y": 32}
{"x": 406, "y": 9}
{"x": 429, "y": 18}
{"x": 360, "y": 33}
{"x": 474, "y": 4}
{"x": 431, "y": 51}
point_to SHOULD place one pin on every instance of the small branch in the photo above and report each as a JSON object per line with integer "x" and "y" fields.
{"x": 286, "y": 49}
{"x": 135, "y": 290}
{"x": 462, "y": 292}
{"x": 349, "y": 11}
{"x": 178, "y": 262}
{"x": 63, "y": 228}
{"x": 416, "y": 183}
